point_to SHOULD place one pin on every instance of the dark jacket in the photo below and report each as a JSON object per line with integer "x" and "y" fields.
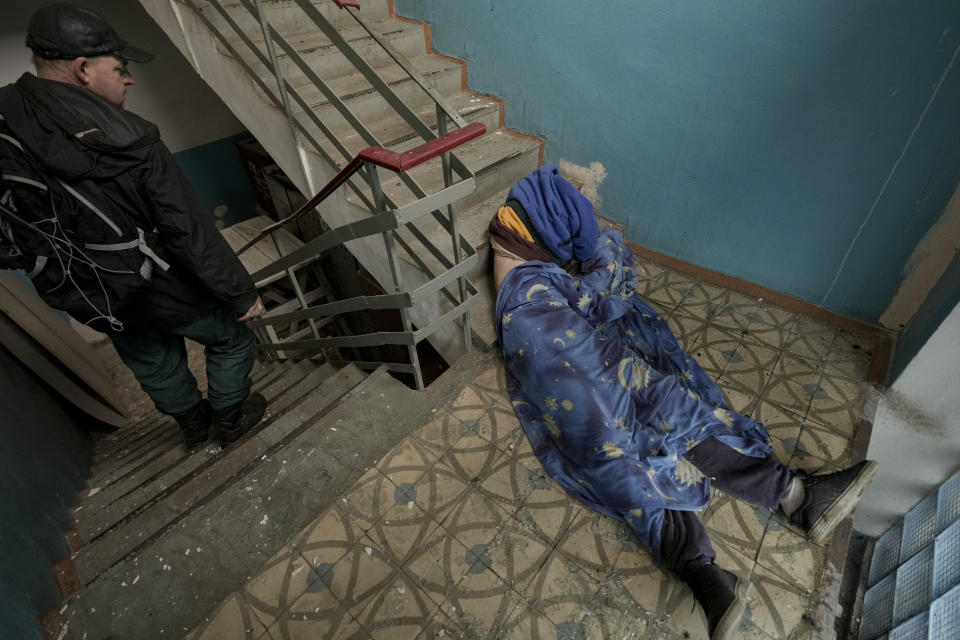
{"x": 78, "y": 136}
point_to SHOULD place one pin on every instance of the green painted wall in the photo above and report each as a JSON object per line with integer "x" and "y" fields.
{"x": 217, "y": 172}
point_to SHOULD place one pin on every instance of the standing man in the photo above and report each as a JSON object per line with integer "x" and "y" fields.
{"x": 88, "y": 187}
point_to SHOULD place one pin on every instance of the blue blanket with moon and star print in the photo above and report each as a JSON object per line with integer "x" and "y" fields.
{"x": 606, "y": 396}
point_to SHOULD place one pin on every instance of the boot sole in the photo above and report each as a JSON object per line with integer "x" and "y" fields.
{"x": 843, "y": 505}
{"x": 729, "y": 625}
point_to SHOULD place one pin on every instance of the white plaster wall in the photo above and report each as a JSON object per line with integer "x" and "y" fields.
{"x": 167, "y": 91}
{"x": 916, "y": 432}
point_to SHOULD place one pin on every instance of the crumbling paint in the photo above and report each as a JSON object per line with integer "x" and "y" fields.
{"x": 930, "y": 258}
{"x": 586, "y": 179}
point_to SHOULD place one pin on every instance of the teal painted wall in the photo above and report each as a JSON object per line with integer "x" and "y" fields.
{"x": 748, "y": 137}
{"x": 217, "y": 172}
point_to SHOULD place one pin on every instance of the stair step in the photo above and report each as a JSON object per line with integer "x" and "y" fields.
{"x": 164, "y": 591}
{"x": 320, "y": 53}
{"x": 167, "y": 435}
{"x": 108, "y": 448}
{"x": 367, "y": 104}
{"x": 394, "y": 133}
{"x": 286, "y": 16}
{"x": 162, "y": 436}
{"x": 112, "y": 439}
{"x": 472, "y": 223}
{"x": 497, "y": 159}
{"x": 115, "y": 438}
{"x": 163, "y": 476}
{"x": 126, "y": 538}
{"x": 124, "y": 435}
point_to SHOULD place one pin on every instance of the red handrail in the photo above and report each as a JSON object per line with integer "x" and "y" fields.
{"x": 343, "y": 4}
{"x": 381, "y": 157}
{"x": 418, "y": 155}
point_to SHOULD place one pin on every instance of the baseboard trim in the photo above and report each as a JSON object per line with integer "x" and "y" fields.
{"x": 794, "y": 305}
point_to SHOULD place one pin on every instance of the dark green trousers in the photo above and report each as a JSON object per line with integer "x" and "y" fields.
{"x": 159, "y": 361}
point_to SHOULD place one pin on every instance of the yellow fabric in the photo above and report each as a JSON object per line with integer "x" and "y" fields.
{"x": 508, "y": 218}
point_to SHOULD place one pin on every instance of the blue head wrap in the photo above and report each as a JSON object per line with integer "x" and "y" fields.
{"x": 562, "y": 215}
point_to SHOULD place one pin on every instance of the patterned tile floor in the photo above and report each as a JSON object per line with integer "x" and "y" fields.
{"x": 458, "y": 532}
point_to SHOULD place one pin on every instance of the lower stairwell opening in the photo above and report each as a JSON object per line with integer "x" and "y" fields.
{"x": 332, "y": 275}
{"x": 432, "y": 364}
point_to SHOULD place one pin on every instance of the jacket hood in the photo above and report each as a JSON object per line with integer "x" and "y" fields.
{"x": 73, "y": 131}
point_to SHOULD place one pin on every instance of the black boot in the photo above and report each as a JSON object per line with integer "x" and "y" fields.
{"x": 723, "y": 597}
{"x": 234, "y": 421}
{"x": 194, "y": 424}
{"x": 829, "y": 498}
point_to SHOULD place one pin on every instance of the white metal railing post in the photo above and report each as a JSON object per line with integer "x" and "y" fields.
{"x": 454, "y": 227}
{"x": 285, "y": 96}
{"x": 295, "y": 284}
{"x": 376, "y": 188}
{"x": 281, "y": 85}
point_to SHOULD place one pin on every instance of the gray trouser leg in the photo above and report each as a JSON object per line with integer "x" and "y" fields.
{"x": 159, "y": 361}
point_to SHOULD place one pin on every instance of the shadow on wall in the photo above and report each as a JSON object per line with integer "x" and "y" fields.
{"x": 217, "y": 172}
{"x": 44, "y": 463}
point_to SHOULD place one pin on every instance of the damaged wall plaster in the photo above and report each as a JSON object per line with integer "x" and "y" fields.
{"x": 927, "y": 263}
{"x": 587, "y": 179}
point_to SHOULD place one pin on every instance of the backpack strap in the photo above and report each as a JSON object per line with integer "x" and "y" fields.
{"x": 41, "y": 262}
{"x": 76, "y": 194}
{"x": 92, "y": 207}
{"x": 23, "y": 180}
{"x": 140, "y": 243}
{"x": 12, "y": 141}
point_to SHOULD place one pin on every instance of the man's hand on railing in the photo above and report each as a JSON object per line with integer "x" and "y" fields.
{"x": 255, "y": 311}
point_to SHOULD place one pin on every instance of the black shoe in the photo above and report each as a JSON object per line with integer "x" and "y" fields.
{"x": 234, "y": 421}
{"x": 194, "y": 424}
{"x": 829, "y": 498}
{"x": 723, "y": 597}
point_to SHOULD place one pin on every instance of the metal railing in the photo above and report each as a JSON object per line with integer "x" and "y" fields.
{"x": 261, "y": 58}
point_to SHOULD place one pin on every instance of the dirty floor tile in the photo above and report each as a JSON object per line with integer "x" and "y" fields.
{"x": 458, "y": 532}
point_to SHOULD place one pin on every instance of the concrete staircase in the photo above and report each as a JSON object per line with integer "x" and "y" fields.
{"x": 497, "y": 159}
{"x": 166, "y": 535}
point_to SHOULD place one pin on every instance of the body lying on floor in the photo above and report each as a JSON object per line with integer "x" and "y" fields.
{"x": 618, "y": 414}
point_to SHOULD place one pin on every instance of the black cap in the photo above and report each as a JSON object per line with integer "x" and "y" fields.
{"x": 66, "y": 31}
